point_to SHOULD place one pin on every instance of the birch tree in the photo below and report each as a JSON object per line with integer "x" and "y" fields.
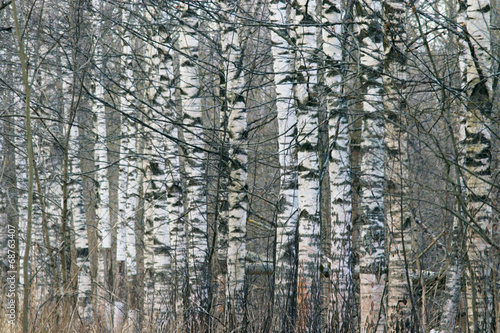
{"x": 305, "y": 94}
{"x": 478, "y": 164}
{"x": 102, "y": 165}
{"x": 340, "y": 301}
{"x": 165, "y": 189}
{"x": 222, "y": 212}
{"x": 176, "y": 216}
{"x": 285, "y": 268}
{"x": 197, "y": 244}
{"x": 100, "y": 147}
{"x": 238, "y": 186}
{"x": 126, "y": 250}
{"x": 79, "y": 225}
{"x": 170, "y": 232}
{"x": 372, "y": 169}
{"x": 400, "y": 301}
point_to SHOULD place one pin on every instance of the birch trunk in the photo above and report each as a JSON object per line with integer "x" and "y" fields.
{"x": 100, "y": 149}
{"x": 81, "y": 105}
{"x": 286, "y": 251}
{"x": 401, "y": 316}
{"x": 238, "y": 185}
{"x": 79, "y": 224}
{"x": 128, "y": 105}
{"x": 157, "y": 215}
{"x": 127, "y": 177}
{"x": 101, "y": 164}
{"x": 340, "y": 303}
{"x": 197, "y": 243}
{"x": 150, "y": 166}
{"x": 478, "y": 177}
{"x": 305, "y": 93}
{"x": 162, "y": 95}
{"x": 121, "y": 241}
{"x": 372, "y": 169}
{"x": 176, "y": 216}
{"x": 453, "y": 279}
{"x": 47, "y": 175}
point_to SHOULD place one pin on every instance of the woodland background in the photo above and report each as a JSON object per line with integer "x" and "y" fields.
{"x": 250, "y": 165}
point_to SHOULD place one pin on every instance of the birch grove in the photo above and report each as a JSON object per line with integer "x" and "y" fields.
{"x": 249, "y": 166}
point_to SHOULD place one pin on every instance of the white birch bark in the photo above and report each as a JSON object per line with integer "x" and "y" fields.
{"x": 121, "y": 241}
{"x": 453, "y": 279}
{"x": 161, "y": 232}
{"x": 132, "y": 184}
{"x": 101, "y": 153}
{"x": 305, "y": 93}
{"x": 162, "y": 95}
{"x": 400, "y": 317}
{"x": 237, "y": 133}
{"x": 121, "y": 254}
{"x": 101, "y": 163}
{"x": 477, "y": 165}
{"x": 128, "y": 152}
{"x": 48, "y": 171}
{"x": 195, "y": 193}
{"x": 372, "y": 168}
{"x": 340, "y": 301}
{"x": 177, "y": 219}
{"x": 127, "y": 177}
{"x": 286, "y": 253}
{"x": 78, "y": 223}
{"x": 150, "y": 167}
